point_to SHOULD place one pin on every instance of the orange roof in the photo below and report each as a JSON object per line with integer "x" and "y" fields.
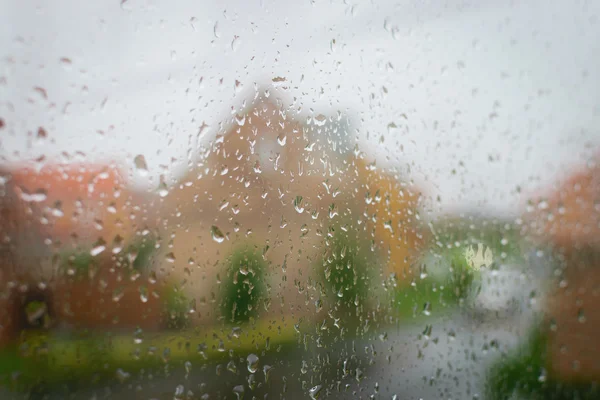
{"x": 68, "y": 180}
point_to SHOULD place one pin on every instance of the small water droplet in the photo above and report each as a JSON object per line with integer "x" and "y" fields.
{"x": 122, "y": 376}
{"x": 239, "y": 391}
{"x": 278, "y": 81}
{"x": 231, "y": 367}
{"x": 138, "y": 336}
{"x": 141, "y": 165}
{"x": 392, "y": 128}
{"x": 320, "y": 120}
{"x": 240, "y": 119}
{"x": 235, "y": 43}
{"x": 170, "y": 258}
{"x": 98, "y": 248}
{"x": 299, "y": 204}
{"x": 267, "y": 371}
{"x": 179, "y": 392}
{"x": 282, "y": 139}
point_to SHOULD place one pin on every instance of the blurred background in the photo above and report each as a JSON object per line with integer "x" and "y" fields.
{"x": 316, "y": 199}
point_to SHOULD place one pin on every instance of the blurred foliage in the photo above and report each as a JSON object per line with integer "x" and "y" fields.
{"x": 143, "y": 249}
{"x": 44, "y": 363}
{"x": 462, "y": 283}
{"x": 523, "y": 373}
{"x": 243, "y": 286}
{"x": 502, "y": 237}
{"x": 344, "y": 272}
{"x": 429, "y": 294}
{"x": 140, "y": 251}
{"x": 177, "y": 308}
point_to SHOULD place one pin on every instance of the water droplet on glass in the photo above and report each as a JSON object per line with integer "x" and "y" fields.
{"x": 320, "y": 120}
{"x": 392, "y": 128}
{"x": 216, "y": 234}
{"x": 231, "y": 367}
{"x": 278, "y": 81}
{"x": 179, "y": 392}
{"x": 239, "y": 391}
{"x": 240, "y": 119}
{"x": 315, "y": 391}
{"x": 36, "y": 197}
{"x": 235, "y": 43}
{"x": 140, "y": 164}
{"x": 98, "y": 248}
{"x": 299, "y": 204}
{"x": 122, "y": 376}
{"x": 163, "y": 191}
{"x": 282, "y": 139}
{"x": 252, "y": 361}
{"x": 138, "y": 336}
{"x": 267, "y": 371}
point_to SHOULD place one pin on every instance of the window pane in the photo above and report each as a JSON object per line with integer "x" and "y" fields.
{"x": 313, "y": 199}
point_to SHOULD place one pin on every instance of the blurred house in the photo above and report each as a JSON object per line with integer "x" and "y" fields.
{"x": 270, "y": 183}
{"x": 65, "y": 231}
{"x": 278, "y": 185}
{"x": 568, "y": 219}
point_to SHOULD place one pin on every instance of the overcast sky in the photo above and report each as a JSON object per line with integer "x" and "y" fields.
{"x": 487, "y": 95}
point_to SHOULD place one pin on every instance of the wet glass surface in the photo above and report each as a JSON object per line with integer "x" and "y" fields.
{"x": 371, "y": 200}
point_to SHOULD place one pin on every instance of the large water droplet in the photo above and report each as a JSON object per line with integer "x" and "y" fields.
{"x": 315, "y": 391}
{"x": 252, "y": 361}
{"x": 216, "y": 234}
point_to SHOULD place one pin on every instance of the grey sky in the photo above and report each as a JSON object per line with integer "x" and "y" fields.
{"x": 509, "y": 90}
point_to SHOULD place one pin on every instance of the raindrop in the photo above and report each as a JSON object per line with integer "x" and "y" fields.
{"x": 36, "y": 197}
{"x": 427, "y": 308}
{"x": 320, "y": 120}
{"x": 216, "y": 234}
{"x": 179, "y": 391}
{"x": 231, "y": 367}
{"x": 252, "y": 361}
{"x": 122, "y": 376}
{"x": 267, "y": 371}
{"x": 358, "y": 375}
{"x": 315, "y": 392}
{"x": 235, "y": 43}
{"x": 98, "y": 248}
{"x": 140, "y": 164}
{"x": 239, "y": 391}
{"x": 240, "y": 119}
{"x": 392, "y": 128}
{"x": 278, "y": 81}
{"x": 282, "y": 139}
{"x": 163, "y": 191}
{"x": 138, "y": 336}
{"x": 299, "y": 204}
